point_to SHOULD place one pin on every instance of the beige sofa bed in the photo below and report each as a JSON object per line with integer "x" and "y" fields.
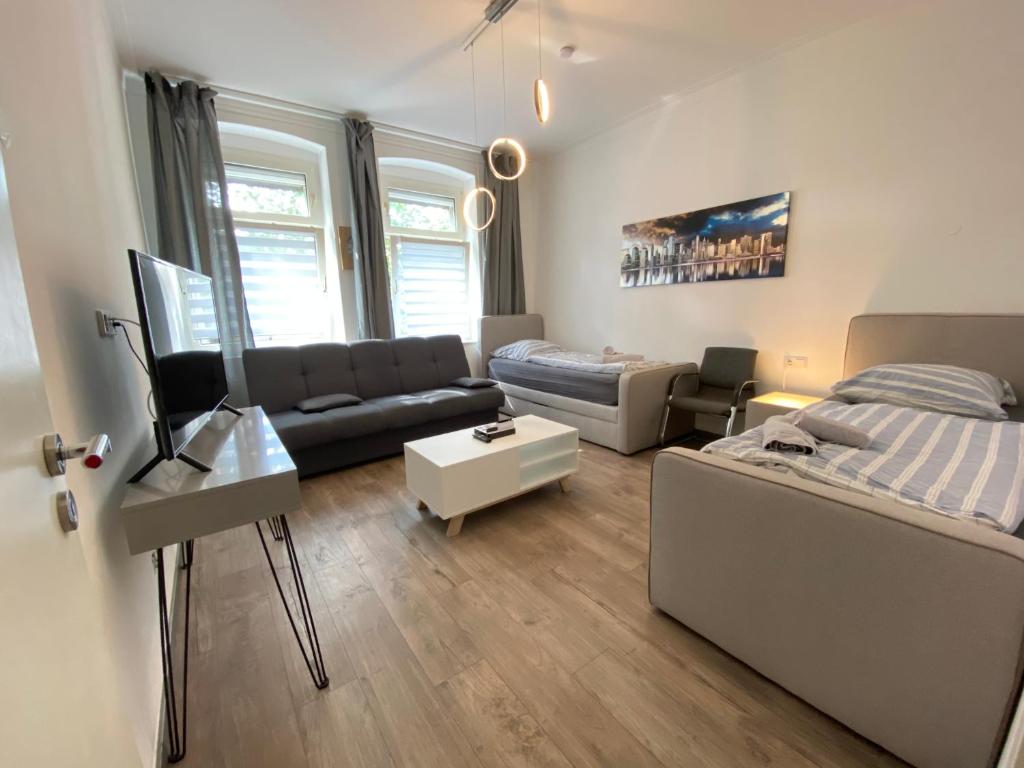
{"x": 630, "y": 425}
{"x": 905, "y": 625}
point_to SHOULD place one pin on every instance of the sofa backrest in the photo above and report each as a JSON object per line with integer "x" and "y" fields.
{"x": 279, "y": 377}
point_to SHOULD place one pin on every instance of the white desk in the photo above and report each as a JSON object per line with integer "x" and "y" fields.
{"x": 252, "y": 479}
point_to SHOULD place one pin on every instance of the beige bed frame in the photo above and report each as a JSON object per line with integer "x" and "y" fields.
{"x": 905, "y": 625}
{"x": 630, "y": 426}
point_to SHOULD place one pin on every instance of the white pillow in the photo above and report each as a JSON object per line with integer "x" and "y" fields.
{"x": 524, "y": 348}
{"x": 942, "y": 388}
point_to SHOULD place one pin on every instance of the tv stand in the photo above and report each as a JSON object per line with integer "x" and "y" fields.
{"x": 182, "y": 456}
{"x": 160, "y": 457}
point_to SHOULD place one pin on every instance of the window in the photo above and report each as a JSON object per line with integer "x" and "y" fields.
{"x": 421, "y": 211}
{"x": 429, "y": 257}
{"x": 283, "y": 283}
{"x": 431, "y": 279}
{"x": 279, "y": 229}
{"x": 262, "y": 190}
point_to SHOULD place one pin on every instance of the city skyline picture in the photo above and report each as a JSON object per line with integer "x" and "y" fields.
{"x": 735, "y": 241}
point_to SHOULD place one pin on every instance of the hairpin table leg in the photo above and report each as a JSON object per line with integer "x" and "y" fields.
{"x": 176, "y": 729}
{"x": 310, "y": 648}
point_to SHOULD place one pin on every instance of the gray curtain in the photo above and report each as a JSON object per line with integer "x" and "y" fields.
{"x": 373, "y": 290}
{"x": 194, "y": 224}
{"x": 503, "y": 290}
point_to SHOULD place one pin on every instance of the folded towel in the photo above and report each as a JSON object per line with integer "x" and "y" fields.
{"x": 832, "y": 431}
{"x": 779, "y": 433}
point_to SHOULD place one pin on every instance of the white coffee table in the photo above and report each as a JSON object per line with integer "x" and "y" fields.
{"x": 455, "y": 474}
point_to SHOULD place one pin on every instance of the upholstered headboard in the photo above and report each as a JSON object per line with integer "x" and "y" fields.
{"x": 499, "y": 330}
{"x": 991, "y": 343}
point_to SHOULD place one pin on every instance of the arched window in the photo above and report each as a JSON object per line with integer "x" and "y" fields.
{"x": 431, "y": 253}
{"x": 277, "y": 200}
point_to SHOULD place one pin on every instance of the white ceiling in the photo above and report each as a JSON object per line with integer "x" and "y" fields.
{"x": 401, "y": 61}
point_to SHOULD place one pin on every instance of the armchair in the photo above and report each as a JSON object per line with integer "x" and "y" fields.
{"x": 721, "y": 386}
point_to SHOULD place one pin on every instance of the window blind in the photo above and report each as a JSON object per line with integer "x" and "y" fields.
{"x": 283, "y": 287}
{"x": 431, "y": 288}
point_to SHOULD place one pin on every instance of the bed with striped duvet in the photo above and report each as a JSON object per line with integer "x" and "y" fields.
{"x": 960, "y": 467}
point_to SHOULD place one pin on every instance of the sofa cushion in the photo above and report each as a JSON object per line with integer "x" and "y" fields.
{"x": 416, "y": 367}
{"x": 404, "y": 410}
{"x": 354, "y": 421}
{"x": 376, "y": 372}
{"x": 449, "y": 357}
{"x": 274, "y": 377}
{"x": 299, "y": 430}
{"x": 472, "y": 382}
{"x": 328, "y": 369}
{"x": 447, "y": 402}
{"x": 322, "y": 403}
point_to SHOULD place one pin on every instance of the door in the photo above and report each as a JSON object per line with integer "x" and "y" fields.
{"x": 55, "y": 704}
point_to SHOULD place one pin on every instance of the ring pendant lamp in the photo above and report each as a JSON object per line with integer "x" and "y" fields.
{"x": 541, "y": 96}
{"x": 505, "y": 141}
{"x": 471, "y": 199}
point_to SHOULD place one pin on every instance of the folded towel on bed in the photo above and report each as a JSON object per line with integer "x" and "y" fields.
{"x": 832, "y": 431}
{"x": 780, "y": 434}
{"x": 609, "y": 355}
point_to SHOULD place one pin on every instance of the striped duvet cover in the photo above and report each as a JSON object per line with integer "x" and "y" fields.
{"x": 956, "y": 466}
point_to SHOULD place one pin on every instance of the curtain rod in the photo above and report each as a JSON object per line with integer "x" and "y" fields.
{"x": 323, "y": 114}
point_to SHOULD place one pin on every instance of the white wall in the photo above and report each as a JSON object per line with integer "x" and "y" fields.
{"x": 75, "y": 215}
{"x": 901, "y": 141}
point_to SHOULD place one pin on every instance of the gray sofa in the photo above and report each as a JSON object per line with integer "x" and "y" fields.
{"x": 406, "y": 387}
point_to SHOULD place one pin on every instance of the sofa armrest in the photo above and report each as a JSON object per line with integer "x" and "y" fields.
{"x": 642, "y": 396}
{"x": 905, "y": 625}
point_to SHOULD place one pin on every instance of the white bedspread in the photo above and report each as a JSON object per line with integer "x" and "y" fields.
{"x": 956, "y": 466}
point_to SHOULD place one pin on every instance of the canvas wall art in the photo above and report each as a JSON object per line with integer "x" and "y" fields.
{"x": 727, "y": 242}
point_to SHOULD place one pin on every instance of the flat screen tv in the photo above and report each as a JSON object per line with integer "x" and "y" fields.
{"x": 182, "y": 349}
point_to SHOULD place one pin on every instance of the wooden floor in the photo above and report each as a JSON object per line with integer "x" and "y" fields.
{"x": 525, "y": 641}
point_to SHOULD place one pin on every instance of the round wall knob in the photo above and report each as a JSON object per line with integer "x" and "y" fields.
{"x": 67, "y": 511}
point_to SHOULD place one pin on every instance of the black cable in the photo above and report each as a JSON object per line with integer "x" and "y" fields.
{"x": 120, "y": 324}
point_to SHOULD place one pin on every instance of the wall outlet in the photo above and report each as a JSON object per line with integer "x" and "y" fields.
{"x": 105, "y": 323}
{"x": 794, "y": 361}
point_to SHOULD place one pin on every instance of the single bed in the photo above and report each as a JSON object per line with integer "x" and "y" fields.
{"x": 906, "y": 625}
{"x": 620, "y": 411}
{"x": 600, "y": 388}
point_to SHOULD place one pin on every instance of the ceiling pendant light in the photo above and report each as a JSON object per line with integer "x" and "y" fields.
{"x": 541, "y": 97}
{"x": 505, "y": 141}
{"x": 516, "y": 147}
{"x": 471, "y": 199}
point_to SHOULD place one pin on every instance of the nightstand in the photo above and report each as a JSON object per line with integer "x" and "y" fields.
{"x": 760, "y": 408}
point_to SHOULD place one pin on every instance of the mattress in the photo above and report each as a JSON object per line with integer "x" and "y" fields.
{"x": 602, "y": 388}
{"x": 955, "y": 466}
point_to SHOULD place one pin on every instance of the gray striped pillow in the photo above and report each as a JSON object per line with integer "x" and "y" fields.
{"x": 942, "y": 388}
{"x": 524, "y": 348}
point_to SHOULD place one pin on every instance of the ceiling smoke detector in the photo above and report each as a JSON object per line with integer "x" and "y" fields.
{"x": 567, "y": 51}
